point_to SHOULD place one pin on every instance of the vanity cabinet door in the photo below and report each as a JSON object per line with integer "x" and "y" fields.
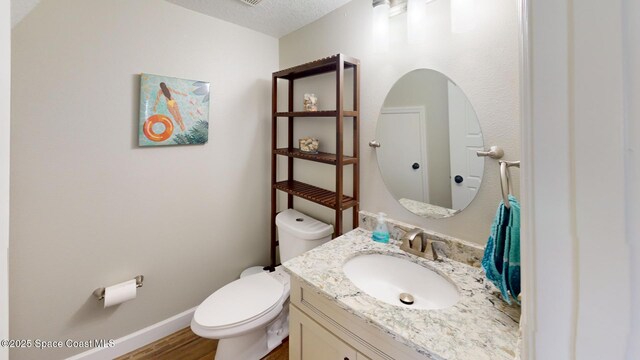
{"x": 310, "y": 341}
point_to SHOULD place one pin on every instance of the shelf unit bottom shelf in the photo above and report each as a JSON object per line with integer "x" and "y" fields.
{"x": 313, "y": 193}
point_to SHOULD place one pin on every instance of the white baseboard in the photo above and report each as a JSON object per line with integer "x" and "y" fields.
{"x": 139, "y": 338}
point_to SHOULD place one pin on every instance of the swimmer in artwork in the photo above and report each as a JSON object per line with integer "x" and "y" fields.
{"x": 172, "y": 105}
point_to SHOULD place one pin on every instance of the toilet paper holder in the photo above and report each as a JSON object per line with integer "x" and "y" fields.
{"x": 99, "y": 292}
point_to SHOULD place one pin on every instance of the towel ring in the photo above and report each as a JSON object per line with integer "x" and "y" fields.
{"x": 505, "y": 180}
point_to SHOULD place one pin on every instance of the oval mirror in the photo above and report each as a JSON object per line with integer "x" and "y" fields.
{"x": 429, "y": 134}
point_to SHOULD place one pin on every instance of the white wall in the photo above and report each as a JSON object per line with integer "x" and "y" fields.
{"x": 5, "y": 102}
{"x": 581, "y": 213}
{"x": 90, "y": 208}
{"x": 547, "y": 222}
{"x": 600, "y": 214}
{"x": 483, "y": 62}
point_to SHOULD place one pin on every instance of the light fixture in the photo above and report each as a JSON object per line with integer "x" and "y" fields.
{"x": 463, "y": 15}
{"x": 416, "y": 21}
{"x": 462, "y": 19}
{"x": 381, "y": 25}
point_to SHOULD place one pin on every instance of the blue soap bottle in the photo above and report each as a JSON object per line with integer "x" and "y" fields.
{"x": 381, "y": 232}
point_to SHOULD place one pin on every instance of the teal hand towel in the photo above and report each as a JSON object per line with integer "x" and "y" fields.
{"x": 493, "y": 259}
{"x": 512, "y": 256}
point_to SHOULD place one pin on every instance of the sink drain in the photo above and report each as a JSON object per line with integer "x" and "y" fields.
{"x": 406, "y": 299}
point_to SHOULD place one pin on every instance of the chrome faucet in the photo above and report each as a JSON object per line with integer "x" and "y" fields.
{"x": 417, "y": 243}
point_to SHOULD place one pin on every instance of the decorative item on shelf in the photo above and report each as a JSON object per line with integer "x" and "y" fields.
{"x": 309, "y": 145}
{"x": 310, "y": 101}
{"x": 173, "y": 111}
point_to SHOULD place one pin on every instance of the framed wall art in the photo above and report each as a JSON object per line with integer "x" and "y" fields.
{"x": 173, "y": 111}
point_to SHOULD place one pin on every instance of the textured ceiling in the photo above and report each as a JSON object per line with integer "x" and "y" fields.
{"x": 272, "y": 17}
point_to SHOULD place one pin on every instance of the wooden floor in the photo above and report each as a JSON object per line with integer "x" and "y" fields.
{"x": 185, "y": 345}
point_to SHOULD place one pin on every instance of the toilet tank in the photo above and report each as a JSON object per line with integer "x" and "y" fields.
{"x": 299, "y": 233}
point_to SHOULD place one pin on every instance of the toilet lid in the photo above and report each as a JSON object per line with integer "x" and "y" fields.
{"x": 240, "y": 301}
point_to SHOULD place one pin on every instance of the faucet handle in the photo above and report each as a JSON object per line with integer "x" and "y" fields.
{"x": 408, "y": 240}
{"x": 427, "y": 246}
{"x": 413, "y": 242}
{"x": 416, "y": 242}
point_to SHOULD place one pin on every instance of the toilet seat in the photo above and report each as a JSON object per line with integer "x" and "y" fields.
{"x": 240, "y": 306}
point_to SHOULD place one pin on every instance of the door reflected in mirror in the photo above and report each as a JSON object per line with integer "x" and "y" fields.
{"x": 429, "y": 134}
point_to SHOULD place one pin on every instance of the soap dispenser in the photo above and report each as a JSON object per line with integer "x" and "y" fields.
{"x": 381, "y": 232}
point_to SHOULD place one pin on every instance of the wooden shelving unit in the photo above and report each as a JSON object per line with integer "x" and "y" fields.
{"x": 324, "y": 113}
{"x": 314, "y": 193}
{"x": 335, "y": 200}
{"x": 321, "y": 157}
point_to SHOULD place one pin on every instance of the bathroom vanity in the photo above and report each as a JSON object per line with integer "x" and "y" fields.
{"x": 331, "y": 318}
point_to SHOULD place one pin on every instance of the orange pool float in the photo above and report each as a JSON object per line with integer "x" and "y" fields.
{"x": 147, "y": 129}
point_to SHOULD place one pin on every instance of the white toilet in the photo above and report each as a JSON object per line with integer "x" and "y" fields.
{"x": 250, "y": 315}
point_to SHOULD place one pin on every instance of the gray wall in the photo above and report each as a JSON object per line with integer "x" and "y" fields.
{"x": 482, "y": 62}
{"x": 89, "y": 208}
{"x": 5, "y": 93}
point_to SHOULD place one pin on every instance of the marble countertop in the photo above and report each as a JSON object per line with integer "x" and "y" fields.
{"x": 427, "y": 210}
{"x": 480, "y": 326}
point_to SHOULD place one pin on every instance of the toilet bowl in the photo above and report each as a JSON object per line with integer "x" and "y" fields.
{"x": 247, "y": 315}
{"x": 250, "y": 316}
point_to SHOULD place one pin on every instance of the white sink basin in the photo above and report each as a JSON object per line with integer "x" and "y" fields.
{"x": 387, "y": 277}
